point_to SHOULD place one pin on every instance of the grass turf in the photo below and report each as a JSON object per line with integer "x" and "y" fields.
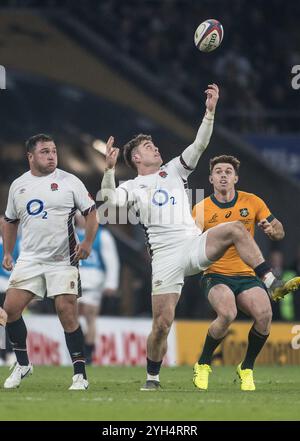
{"x": 114, "y": 396}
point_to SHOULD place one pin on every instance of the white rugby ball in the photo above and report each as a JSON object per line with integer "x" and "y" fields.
{"x": 209, "y": 35}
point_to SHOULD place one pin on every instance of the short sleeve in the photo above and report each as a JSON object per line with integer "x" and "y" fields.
{"x": 11, "y": 212}
{"x": 262, "y": 211}
{"x": 83, "y": 200}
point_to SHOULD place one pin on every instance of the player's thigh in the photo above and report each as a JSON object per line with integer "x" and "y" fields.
{"x": 163, "y": 306}
{"x": 16, "y": 301}
{"x": 254, "y": 302}
{"x": 28, "y": 276}
{"x": 219, "y": 239}
{"x": 223, "y": 301}
{"x": 61, "y": 280}
{"x": 167, "y": 272}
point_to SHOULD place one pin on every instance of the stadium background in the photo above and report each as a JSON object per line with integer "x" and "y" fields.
{"x": 87, "y": 69}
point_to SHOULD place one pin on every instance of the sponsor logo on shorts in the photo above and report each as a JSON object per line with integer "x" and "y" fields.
{"x": 244, "y": 212}
{"x": 72, "y": 284}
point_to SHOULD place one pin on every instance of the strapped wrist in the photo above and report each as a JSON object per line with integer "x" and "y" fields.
{"x": 209, "y": 115}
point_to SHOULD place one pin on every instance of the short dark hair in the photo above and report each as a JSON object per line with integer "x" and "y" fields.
{"x": 225, "y": 159}
{"x": 33, "y": 140}
{"x": 130, "y": 145}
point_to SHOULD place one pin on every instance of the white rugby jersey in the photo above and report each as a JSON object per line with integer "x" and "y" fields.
{"x": 45, "y": 207}
{"x": 161, "y": 203}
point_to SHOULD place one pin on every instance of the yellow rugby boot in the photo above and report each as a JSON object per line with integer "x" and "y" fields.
{"x": 201, "y": 374}
{"x": 278, "y": 292}
{"x": 246, "y": 378}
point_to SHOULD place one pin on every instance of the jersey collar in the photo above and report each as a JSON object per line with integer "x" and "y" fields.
{"x": 225, "y": 204}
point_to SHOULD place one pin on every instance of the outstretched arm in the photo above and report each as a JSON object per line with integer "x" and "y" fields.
{"x": 193, "y": 152}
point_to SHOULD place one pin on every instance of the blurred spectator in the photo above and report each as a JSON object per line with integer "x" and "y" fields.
{"x": 99, "y": 280}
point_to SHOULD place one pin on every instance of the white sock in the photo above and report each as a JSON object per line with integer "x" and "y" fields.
{"x": 269, "y": 279}
{"x": 153, "y": 377}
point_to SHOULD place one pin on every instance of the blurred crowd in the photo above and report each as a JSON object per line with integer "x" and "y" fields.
{"x": 253, "y": 66}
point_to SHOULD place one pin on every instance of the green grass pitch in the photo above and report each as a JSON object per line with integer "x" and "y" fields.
{"x": 114, "y": 396}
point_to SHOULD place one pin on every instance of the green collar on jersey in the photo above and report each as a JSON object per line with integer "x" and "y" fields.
{"x": 225, "y": 204}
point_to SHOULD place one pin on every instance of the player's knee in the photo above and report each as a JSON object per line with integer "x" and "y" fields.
{"x": 237, "y": 228}
{"x": 161, "y": 326}
{"x": 228, "y": 317}
{"x": 13, "y": 312}
{"x": 264, "y": 316}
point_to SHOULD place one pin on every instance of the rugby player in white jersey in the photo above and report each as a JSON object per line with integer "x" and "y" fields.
{"x": 44, "y": 201}
{"x": 177, "y": 246}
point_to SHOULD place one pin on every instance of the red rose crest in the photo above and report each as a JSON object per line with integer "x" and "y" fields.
{"x": 163, "y": 174}
{"x": 54, "y": 186}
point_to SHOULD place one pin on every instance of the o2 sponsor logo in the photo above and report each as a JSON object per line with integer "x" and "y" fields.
{"x": 161, "y": 197}
{"x": 35, "y": 207}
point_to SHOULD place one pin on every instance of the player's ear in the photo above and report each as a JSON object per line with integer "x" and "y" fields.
{"x": 210, "y": 178}
{"x": 236, "y": 178}
{"x": 136, "y": 158}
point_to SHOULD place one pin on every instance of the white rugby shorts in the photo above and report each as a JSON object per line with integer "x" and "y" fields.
{"x": 42, "y": 279}
{"x": 91, "y": 297}
{"x": 172, "y": 264}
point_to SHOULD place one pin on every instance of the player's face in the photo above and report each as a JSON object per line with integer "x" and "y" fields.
{"x": 43, "y": 158}
{"x": 147, "y": 154}
{"x": 223, "y": 177}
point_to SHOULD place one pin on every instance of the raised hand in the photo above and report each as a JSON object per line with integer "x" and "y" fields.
{"x": 212, "y": 93}
{"x": 111, "y": 153}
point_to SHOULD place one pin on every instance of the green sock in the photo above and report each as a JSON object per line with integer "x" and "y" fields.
{"x": 255, "y": 345}
{"x": 208, "y": 349}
